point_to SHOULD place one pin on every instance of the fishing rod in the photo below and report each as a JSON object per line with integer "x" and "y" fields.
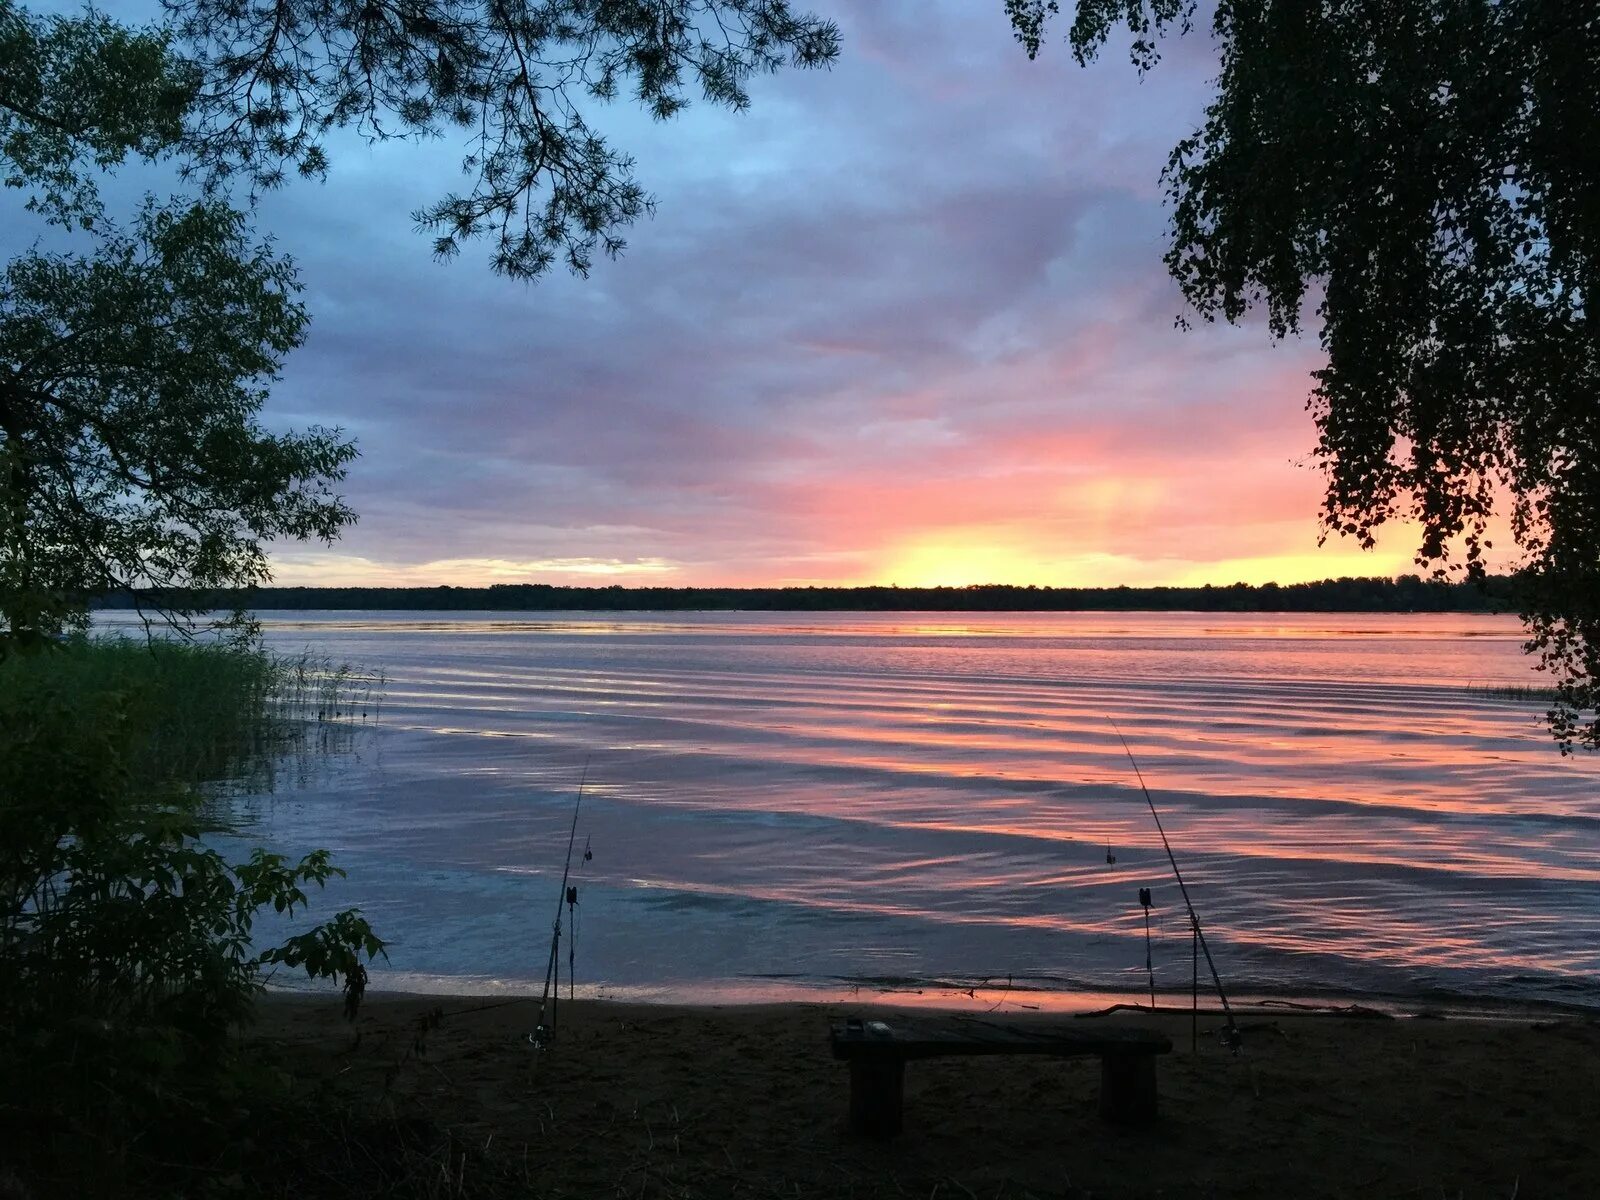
{"x": 1149, "y": 962}
{"x": 1231, "y": 1030}
{"x": 544, "y": 1035}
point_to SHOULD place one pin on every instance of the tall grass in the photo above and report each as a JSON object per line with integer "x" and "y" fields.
{"x": 202, "y": 713}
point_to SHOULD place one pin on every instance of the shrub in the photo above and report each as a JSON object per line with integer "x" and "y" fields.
{"x": 126, "y": 949}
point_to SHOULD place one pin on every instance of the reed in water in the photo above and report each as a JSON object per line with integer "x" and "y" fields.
{"x": 204, "y": 713}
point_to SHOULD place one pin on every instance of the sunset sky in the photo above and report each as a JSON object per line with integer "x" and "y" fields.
{"x": 903, "y": 322}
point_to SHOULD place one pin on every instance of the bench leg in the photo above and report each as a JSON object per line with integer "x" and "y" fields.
{"x": 877, "y": 1095}
{"x": 1128, "y": 1088}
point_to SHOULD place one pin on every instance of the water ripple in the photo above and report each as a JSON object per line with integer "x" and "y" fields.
{"x": 835, "y": 796}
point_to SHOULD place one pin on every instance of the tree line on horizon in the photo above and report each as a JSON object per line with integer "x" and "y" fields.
{"x": 1406, "y": 593}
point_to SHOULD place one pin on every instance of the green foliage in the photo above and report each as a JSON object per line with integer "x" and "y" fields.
{"x": 130, "y": 383}
{"x": 79, "y": 94}
{"x": 250, "y": 92}
{"x": 1421, "y": 177}
{"x": 127, "y": 952}
{"x": 196, "y": 713}
{"x": 544, "y": 184}
{"x": 1094, "y": 20}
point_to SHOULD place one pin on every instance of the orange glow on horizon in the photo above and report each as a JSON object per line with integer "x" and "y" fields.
{"x": 959, "y": 557}
{"x": 1135, "y": 531}
{"x": 962, "y": 557}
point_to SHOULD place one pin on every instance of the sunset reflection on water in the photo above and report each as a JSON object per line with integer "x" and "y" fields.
{"x": 826, "y": 796}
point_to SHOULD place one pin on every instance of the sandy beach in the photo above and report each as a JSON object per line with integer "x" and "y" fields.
{"x": 643, "y": 1100}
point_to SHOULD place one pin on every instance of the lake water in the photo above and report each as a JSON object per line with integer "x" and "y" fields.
{"x": 779, "y": 801}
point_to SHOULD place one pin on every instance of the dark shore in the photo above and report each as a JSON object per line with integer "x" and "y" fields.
{"x": 646, "y": 1101}
{"x": 1405, "y": 594}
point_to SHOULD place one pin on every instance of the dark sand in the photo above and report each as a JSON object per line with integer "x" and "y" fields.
{"x": 640, "y": 1101}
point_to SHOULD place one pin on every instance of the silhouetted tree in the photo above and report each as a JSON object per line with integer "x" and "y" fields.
{"x": 510, "y": 75}
{"x": 1420, "y": 181}
{"x": 130, "y": 382}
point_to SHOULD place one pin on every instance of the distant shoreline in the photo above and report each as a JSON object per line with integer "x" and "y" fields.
{"x": 1408, "y": 593}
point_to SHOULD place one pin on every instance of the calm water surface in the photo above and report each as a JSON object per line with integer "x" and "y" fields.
{"x": 807, "y": 798}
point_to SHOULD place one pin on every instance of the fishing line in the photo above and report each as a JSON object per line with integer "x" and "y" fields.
{"x": 1231, "y": 1032}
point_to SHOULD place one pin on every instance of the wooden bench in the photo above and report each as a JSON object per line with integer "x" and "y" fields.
{"x": 878, "y": 1050}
